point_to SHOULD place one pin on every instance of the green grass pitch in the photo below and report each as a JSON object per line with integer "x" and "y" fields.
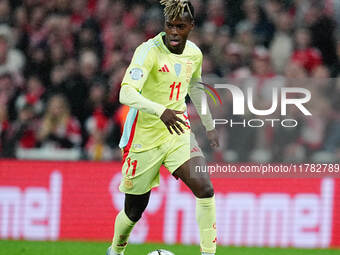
{"x": 97, "y": 248}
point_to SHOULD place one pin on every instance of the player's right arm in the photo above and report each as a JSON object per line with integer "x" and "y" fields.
{"x": 132, "y": 85}
{"x": 134, "y": 79}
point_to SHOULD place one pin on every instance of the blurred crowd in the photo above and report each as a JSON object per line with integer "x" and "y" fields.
{"x": 61, "y": 64}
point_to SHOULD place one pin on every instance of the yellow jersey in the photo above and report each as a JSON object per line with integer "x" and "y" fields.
{"x": 164, "y": 78}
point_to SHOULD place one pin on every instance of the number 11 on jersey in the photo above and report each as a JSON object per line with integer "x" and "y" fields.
{"x": 173, "y": 86}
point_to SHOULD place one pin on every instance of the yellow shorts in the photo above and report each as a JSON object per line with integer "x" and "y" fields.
{"x": 141, "y": 169}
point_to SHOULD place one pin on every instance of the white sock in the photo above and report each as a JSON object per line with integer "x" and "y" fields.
{"x": 204, "y": 253}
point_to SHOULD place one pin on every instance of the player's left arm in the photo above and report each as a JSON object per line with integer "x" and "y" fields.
{"x": 195, "y": 93}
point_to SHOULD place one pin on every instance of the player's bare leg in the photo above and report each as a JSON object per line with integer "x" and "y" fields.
{"x": 202, "y": 188}
{"x": 125, "y": 221}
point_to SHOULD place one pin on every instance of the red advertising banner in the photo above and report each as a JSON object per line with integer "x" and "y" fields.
{"x": 65, "y": 200}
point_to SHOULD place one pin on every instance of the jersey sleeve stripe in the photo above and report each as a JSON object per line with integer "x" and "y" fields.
{"x": 128, "y": 146}
{"x": 144, "y": 48}
{"x": 128, "y": 126}
{"x": 193, "y": 45}
{"x": 144, "y": 52}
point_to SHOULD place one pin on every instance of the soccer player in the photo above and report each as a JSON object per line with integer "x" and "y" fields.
{"x": 157, "y": 132}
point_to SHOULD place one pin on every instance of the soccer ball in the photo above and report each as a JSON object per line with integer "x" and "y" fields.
{"x": 161, "y": 252}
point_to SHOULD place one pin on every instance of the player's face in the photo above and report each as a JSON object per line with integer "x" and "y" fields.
{"x": 177, "y": 32}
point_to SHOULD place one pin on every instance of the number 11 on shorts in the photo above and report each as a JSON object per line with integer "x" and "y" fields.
{"x": 134, "y": 164}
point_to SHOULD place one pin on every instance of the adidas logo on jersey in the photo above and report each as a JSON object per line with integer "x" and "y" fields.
{"x": 164, "y": 69}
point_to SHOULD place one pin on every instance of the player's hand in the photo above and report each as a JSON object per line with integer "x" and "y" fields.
{"x": 213, "y": 138}
{"x": 172, "y": 122}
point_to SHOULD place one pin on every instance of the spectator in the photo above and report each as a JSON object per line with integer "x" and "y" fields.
{"x": 260, "y": 26}
{"x": 304, "y": 53}
{"x": 262, "y": 82}
{"x": 4, "y": 127}
{"x": 80, "y": 13}
{"x": 207, "y": 39}
{"x": 23, "y": 132}
{"x": 78, "y": 87}
{"x": 98, "y": 127}
{"x": 88, "y": 38}
{"x": 281, "y": 47}
{"x": 8, "y": 92}
{"x": 263, "y": 77}
{"x": 97, "y": 149}
{"x": 133, "y": 17}
{"x": 58, "y": 82}
{"x": 235, "y": 66}
{"x": 98, "y": 99}
{"x": 59, "y": 129}
{"x": 200, "y": 12}
{"x": 89, "y": 64}
{"x": 56, "y": 54}
{"x": 216, "y": 12}
{"x": 59, "y": 31}
{"x": 273, "y": 9}
{"x": 33, "y": 96}
{"x": 37, "y": 32}
{"x": 313, "y": 131}
{"x": 245, "y": 38}
{"x": 322, "y": 29}
{"x": 295, "y": 71}
{"x": 20, "y": 30}
{"x": 75, "y": 49}
{"x": 209, "y": 69}
{"x": 5, "y": 11}
{"x": 38, "y": 63}
{"x": 335, "y": 68}
{"x": 332, "y": 141}
{"x": 222, "y": 40}
{"x": 11, "y": 60}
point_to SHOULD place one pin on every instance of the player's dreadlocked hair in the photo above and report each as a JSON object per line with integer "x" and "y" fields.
{"x": 176, "y": 8}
